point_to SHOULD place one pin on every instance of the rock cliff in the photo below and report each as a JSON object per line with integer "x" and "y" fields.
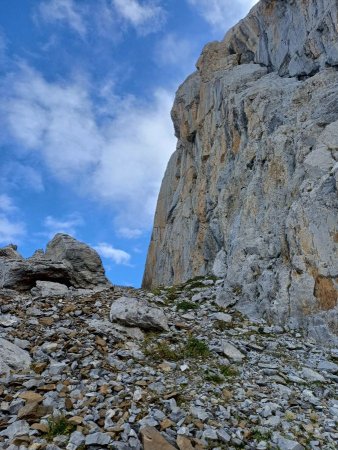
{"x": 251, "y": 190}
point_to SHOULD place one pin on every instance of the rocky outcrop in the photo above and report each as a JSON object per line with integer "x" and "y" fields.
{"x": 251, "y": 191}
{"x": 66, "y": 261}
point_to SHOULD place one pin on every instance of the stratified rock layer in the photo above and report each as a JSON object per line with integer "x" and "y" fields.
{"x": 251, "y": 191}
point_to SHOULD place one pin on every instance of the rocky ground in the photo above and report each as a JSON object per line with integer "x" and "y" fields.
{"x": 184, "y": 374}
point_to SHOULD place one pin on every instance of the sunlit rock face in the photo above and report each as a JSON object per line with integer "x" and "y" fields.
{"x": 251, "y": 190}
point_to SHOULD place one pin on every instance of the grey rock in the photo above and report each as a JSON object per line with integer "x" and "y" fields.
{"x": 328, "y": 366}
{"x": 45, "y": 289}
{"x": 138, "y": 313}
{"x": 76, "y": 440}
{"x": 232, "y": 352}
{"x": 8, "y": 320}
{"x": 287, "y": 444}
{"x": 312, "y": 375}
{"x": 199, "y": 413}
{"x": 98, "y": 439}
{"x": 13, "y": 357}
{"x": 17, "y": 428}
{"x": 222, "y": 317}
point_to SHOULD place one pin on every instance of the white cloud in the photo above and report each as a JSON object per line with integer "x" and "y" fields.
{"x": 11, "y": 229}
{"x": 6, "y": 204}
{"x": 109, "y": 252}
{"x": 63, "y": 11}
{"x": 221, "y": 14}
{"x": 67, "y": 225}
{"x": 130, "y": 233}
{"x": 116, "y": 153}
{"x": 145, "y": 17}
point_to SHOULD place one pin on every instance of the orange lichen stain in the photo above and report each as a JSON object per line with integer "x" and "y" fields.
{"x": 236, "y": 141}
{"x": 326, "y": 293}
{"x": 335, "y": 238}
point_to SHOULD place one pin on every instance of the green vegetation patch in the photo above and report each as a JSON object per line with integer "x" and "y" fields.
{"x": 184, "y": 305}
{"x": 58, "y": 426}
{"x": 194, "y": 348}
{"x": 228, "y": 371}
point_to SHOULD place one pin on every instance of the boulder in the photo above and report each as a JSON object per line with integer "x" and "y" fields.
{"x": 13, "y": 357}
{"x": 134, "y": 312}
{"x": 66, "y": 262}
{"x": 84, "y": 263}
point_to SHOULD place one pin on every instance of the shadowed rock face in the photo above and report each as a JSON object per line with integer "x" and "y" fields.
{"x": 251, "y": 191}
{"x": 66, "y": 261}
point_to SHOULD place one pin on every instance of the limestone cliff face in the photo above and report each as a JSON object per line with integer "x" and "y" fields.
{"x": 251, "y": 191}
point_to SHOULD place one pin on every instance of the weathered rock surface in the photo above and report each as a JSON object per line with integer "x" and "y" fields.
{"x": 66, "y": 262}
{"x": 134, "y": 312}
{"x": 251, "y": 191}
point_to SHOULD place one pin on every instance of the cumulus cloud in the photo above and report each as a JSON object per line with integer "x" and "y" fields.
{"x": 11, "y": 228}
{"x": 146, "y": 17}
{"x": 116, "y": 255}
{"x": 103, "y": 16}
{"x": 116, "y": 153}
{"x": 66, "y": 225}
{"x": 221, "y": 14}
{"x": 67, "y": 12}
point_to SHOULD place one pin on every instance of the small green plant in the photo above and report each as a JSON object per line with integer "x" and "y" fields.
{"x": 157, "y": 291}
{"x": 171, "y": 294}
{"x": 195, "y": 348}
{"x": 259, "y": 435}
{"x": 58, "y": 426}
{"x": 195, "y": 285}
{"x": 184, "y": 305}
{"x": 221, "y": 326}
{"x": 228, "y": 371}
{"x": 160, "y": 351}
{"x": 214, "y": 377}
{"x": 290, "y": 416}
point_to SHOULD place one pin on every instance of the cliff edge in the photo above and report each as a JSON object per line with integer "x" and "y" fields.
{"x": 250, "y": 193}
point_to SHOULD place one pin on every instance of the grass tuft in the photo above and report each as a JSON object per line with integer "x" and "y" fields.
{"x": 228, "y": 371}
{"x": 195, "y": 348}
{"x": 58, "y": 426}
{"x": 184, "y": 305}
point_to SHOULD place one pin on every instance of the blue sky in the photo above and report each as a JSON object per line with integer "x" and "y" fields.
{"x": 86, "y": 91}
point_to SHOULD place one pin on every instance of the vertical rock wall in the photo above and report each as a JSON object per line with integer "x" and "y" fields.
{"x": 251, "y": 191}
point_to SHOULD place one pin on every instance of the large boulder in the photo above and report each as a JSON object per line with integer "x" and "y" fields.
{"x": 134, "y": 312}
{"x": 66, "y": 261}
{"x": 85, "y": 264}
